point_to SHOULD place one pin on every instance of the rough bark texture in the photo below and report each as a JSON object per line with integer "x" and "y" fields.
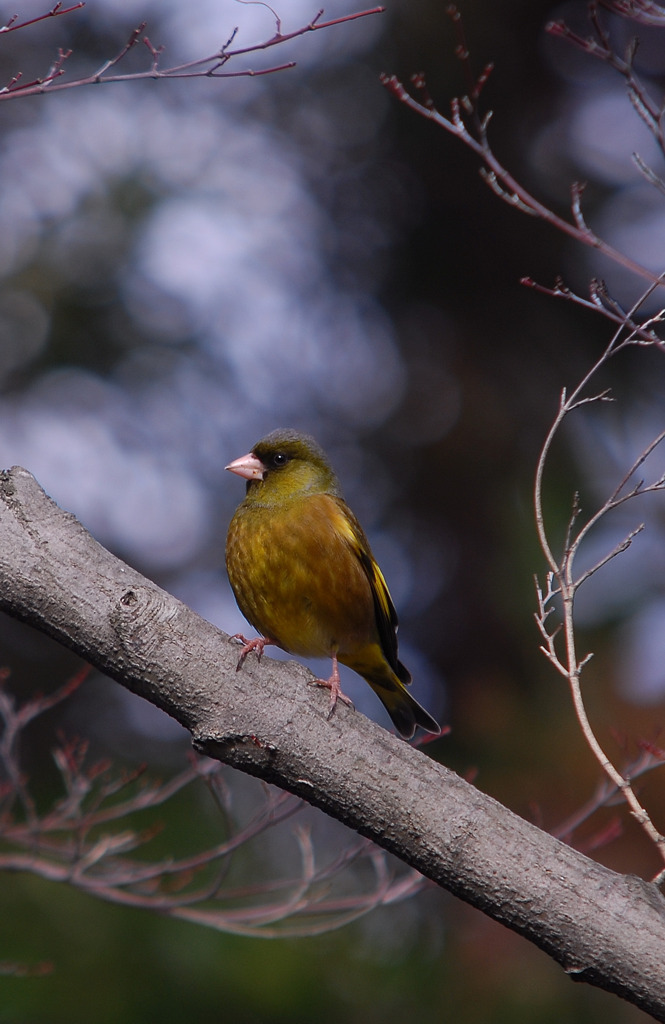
{"x": 602, "y": 927}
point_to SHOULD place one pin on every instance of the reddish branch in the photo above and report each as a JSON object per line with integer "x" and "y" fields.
{"x": 468, "y": 124}
{"x": 213, "y": 66}
{"x": 13, "y": 25}
{"x": 607, "y": 794}
{"x": 87, "y": 839}
{"x": 562, "y": 584}
{"x": 599, "y": 45}
{"x": 555, "y": 615}
{"x": 600, "y": 301}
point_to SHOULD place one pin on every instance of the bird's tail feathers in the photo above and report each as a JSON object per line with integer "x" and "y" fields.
{"x": 404, "y": 710}
{"x": 390, "y": 687}
{"x": 403, "y": 674}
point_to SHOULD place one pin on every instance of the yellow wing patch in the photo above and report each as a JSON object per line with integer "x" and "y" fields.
{"x": 386, "y": 616}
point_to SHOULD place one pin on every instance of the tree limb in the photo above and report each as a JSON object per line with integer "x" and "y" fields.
{"x": 602, "y": 927}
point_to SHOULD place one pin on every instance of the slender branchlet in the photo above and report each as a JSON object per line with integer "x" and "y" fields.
{"x": 631, "y": 328}
{"x": 220, "y": 64}
{"x": 94, "y": 837}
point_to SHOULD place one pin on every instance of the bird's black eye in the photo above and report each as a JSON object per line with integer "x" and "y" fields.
{"x": 278, "y": 459}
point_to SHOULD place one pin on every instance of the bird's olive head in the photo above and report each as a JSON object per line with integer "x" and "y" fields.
{"x": 286, "y": 463}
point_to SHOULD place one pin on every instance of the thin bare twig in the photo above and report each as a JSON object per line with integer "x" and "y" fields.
{"x": 646, "y": 12}
{"x": 470, "y": 126}
{"x": 563, "y": 585}
{"x": 203, "y": 67}
{"x": 87, "y": 839}
{"x": 13, "y": 25}
{"x": 600, "y": 301}
{"x": 609, "y": 795}
{"x": 599, "y": 46}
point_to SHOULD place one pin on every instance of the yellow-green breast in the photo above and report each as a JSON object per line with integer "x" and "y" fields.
{"x": 296, "y": 576}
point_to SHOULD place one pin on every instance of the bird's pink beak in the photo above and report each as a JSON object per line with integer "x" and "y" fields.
{"x": 247, "y": 466}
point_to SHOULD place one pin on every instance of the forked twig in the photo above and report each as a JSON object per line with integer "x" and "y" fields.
{"x": 87, "y": 839}
{"x": 470, "y": 126}
{"x": 467, "y": 123}
{"x": 213, "y": 66}
{"x": 562, "y": 585}
{"x": 13, "y": 25}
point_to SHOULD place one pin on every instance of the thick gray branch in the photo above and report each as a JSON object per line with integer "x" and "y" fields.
{"x": 602, "y": 927}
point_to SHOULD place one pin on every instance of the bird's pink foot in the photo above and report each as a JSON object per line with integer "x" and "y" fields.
{"x": 334, "y": 684}
{"x": 257, "y": 644}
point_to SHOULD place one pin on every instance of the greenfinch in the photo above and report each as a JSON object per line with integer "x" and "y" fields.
{"x": 304, "y": 576}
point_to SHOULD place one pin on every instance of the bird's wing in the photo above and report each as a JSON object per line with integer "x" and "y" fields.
{"x": 384, "y": 609}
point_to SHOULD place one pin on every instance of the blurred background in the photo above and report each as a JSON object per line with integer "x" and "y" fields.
{"x": 186, "y": 265}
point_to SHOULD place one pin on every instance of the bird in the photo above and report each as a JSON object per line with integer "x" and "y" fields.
{"x": 304, "y": 576}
